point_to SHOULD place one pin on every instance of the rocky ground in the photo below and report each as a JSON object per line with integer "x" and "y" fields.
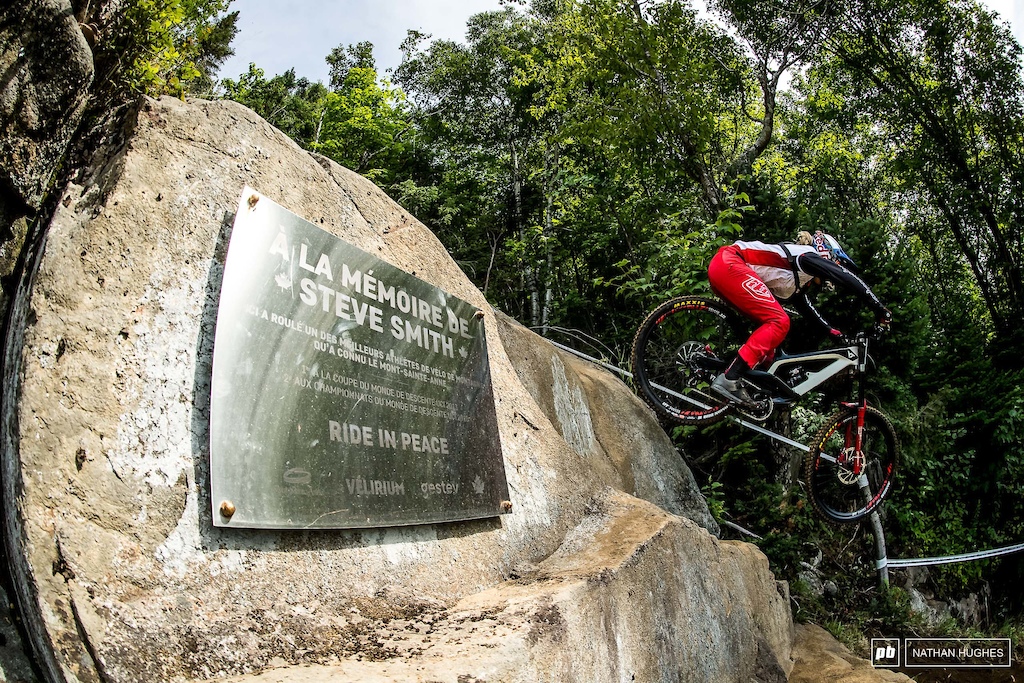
{"x": 820, "y": 658}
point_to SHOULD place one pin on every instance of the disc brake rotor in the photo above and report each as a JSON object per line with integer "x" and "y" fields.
{"x": 688, "y": 353}
{"x": 846, "y": 466}
{"x": 687, "y": 357}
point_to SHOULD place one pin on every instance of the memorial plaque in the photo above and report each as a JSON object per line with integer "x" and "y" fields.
{"x": 346, "y": 392}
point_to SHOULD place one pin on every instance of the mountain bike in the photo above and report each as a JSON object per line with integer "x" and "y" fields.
{"x": 686, "y": 342}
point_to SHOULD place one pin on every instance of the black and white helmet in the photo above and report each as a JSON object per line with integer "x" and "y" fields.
{"x": 829, "y": 247}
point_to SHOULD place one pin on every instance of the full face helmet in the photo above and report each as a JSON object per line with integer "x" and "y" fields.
{"x": 829, "y": 247}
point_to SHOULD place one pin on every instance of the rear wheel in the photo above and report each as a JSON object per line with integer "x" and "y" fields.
{"x": 678, "y": 350}
{"x": 845, "y": 484}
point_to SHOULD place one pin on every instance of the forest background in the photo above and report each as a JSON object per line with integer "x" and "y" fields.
{"x": 583, "y": 159}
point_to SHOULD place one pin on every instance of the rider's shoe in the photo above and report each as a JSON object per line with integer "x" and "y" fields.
{"x": 731, "y": 390}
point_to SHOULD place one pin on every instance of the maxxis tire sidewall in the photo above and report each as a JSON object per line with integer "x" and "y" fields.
{"x": 640, "y": 380}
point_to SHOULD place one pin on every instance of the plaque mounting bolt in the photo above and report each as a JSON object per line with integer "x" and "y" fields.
{"x": 227, "y": 508}
{"x": 479, "y": 315}
{"x": 506, "y": 506}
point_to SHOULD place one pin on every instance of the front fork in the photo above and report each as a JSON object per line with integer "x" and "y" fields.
{"x": 852, "y": 456}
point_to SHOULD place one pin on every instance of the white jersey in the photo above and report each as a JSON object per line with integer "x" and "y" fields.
{"x": 770, "y": 263}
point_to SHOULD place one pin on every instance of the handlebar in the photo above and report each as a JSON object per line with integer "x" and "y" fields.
{"x": 875, "y": 333}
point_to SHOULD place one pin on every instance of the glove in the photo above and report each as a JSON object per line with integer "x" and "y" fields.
{"x": 837, "y": 337}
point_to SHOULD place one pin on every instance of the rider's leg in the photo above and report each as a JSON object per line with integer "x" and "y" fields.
{"x": 737, "y": 368}
{"x": 734, "y": 280}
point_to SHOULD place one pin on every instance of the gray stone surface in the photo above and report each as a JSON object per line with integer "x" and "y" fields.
{"x": 111, "y": 464}
{"x": 603, "y": 421}
{"x": 46, "y": 70}
{"x": 820, "y": 658}
{"x": 46, "y": 66}
{"x": 579, "y": 616}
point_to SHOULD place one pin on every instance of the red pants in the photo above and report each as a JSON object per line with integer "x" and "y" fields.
{"x": 733, "y": 280}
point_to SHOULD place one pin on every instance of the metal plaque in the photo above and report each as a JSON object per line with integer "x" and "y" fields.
{"x": 346, "y": 392}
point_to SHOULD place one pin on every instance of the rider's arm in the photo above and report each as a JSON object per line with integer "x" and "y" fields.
{"x": 817, "y": 266}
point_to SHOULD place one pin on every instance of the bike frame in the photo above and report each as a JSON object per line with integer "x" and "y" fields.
{"x": 833, "y": 362}
{"x": 838, "y": 360}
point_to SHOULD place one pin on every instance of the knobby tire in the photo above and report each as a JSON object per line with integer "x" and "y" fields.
{"x": 829, "y": 483}
{"x": 677, "y": 351}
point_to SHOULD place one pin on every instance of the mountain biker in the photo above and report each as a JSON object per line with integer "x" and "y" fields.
{"x": 754, "y": 276}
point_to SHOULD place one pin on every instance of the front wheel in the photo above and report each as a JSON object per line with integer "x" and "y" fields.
{"x": 678, "y": 350}
{"x": 846, "y": 483}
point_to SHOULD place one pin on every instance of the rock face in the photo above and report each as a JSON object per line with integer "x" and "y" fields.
{"x": 603, "y": 424}
{"x": 820, "y": 658}
{"x": 48, "y": 69}
{"x": 578, "y": 616}
{"x": 605, "y": 569}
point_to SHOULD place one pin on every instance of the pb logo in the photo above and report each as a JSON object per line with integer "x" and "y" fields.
{"x": 885, "y": 652}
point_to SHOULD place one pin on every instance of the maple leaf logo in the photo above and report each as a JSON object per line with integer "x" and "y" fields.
{"x": 463, "y": 352}
{"x": 283, "y": 281}
{"x": 478, "y": 485}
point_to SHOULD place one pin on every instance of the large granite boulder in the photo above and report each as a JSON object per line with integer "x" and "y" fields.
{"x": 820, "y": 658}
{"x": 605, "y": 568}
{"x": 604, "y": 424}
{"x": 628, "y": 596}
{"x": 47, "y": 71}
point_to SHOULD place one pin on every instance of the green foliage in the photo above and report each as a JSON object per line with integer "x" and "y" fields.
{"x": 662, "y": 88}
{"x": 470, "y": 105}
{"x": 1014, "y": 630}
{"x": 677, "y": 263}
{"x": 294, "y": 105}
{"x": 166, "y": 47}
{"x": 714, "y": 494}
{"x": 941, "y": 84}
{"x": 363, "y": 126}
{"x": 676, "y": 260}
{"x": 878, "y": 613}
{"x": 343, "y": 60}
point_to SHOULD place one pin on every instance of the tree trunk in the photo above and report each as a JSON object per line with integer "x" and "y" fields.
{"x": 529, "y": 271}
{"x": 787, "y": 459}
